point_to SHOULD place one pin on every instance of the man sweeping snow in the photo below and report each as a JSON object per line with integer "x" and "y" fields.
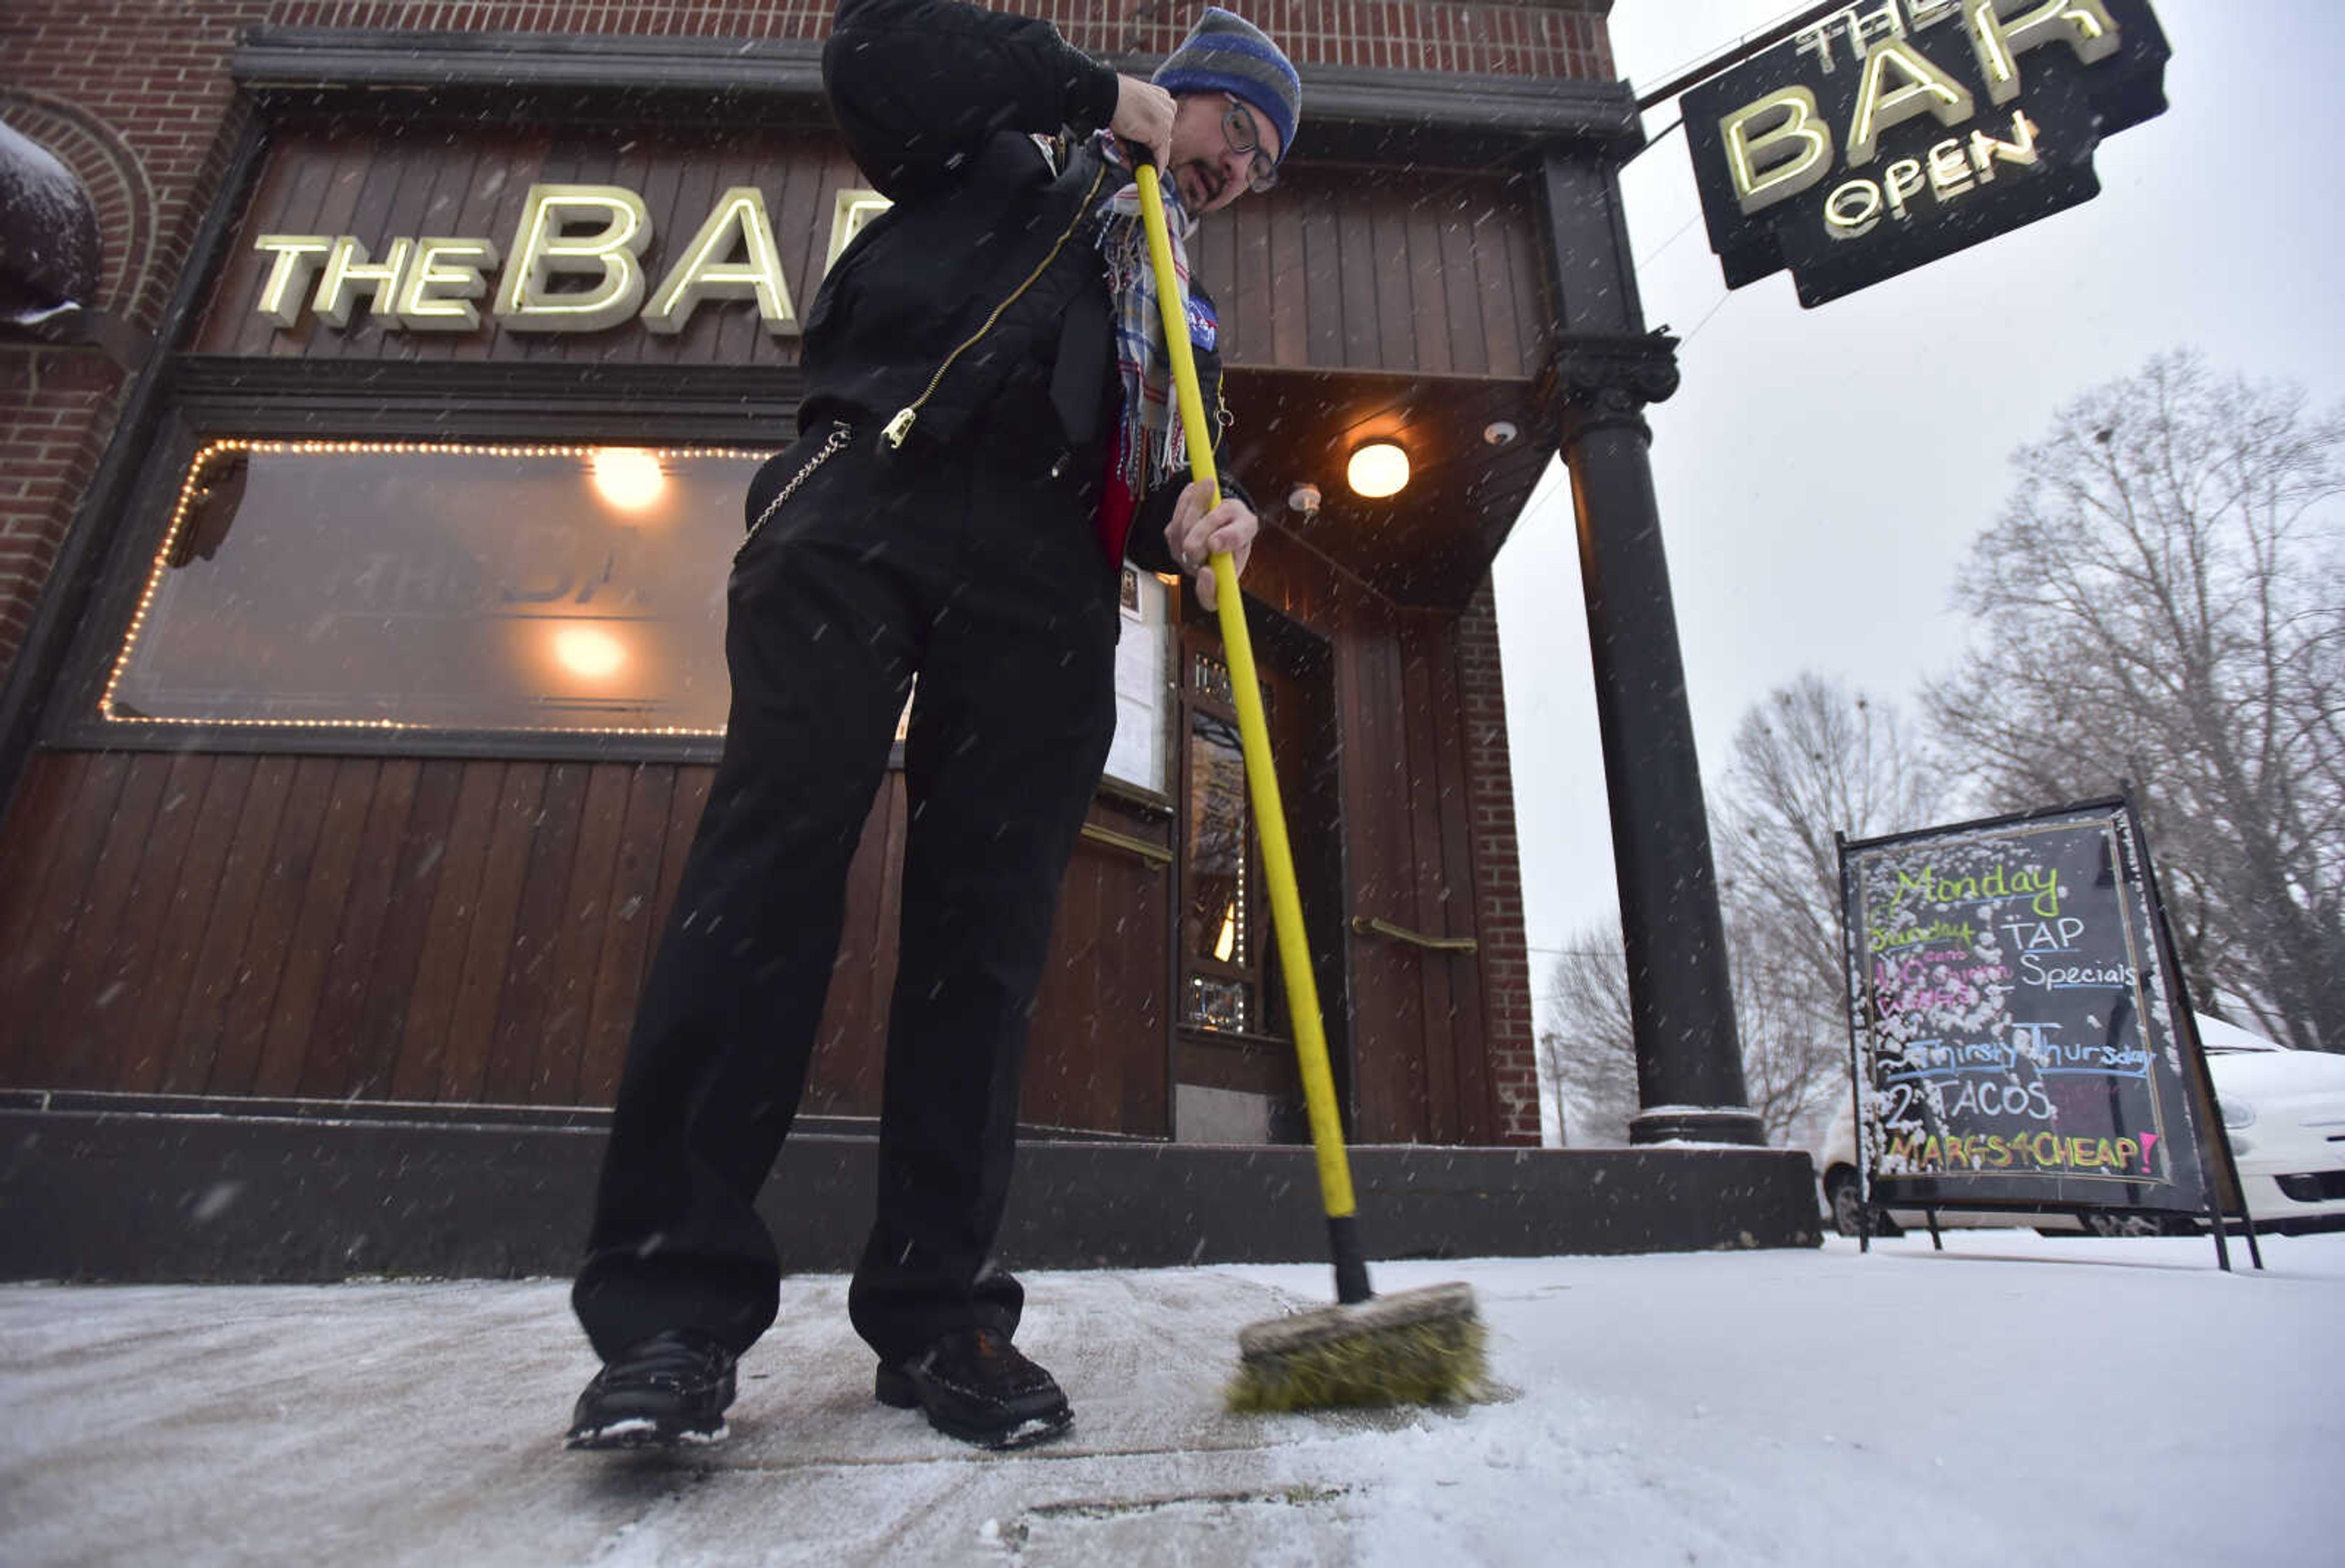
{"x": 987, "y": 430}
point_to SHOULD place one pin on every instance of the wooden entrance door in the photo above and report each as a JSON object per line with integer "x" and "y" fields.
{"x": 1234, "y": 1071}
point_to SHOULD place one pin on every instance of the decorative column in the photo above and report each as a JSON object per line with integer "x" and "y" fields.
{"x": 1688, "y": 1056}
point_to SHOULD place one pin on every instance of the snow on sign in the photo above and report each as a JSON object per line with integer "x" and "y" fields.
{"x": 2013, "y": 1025}
{"x": 1894, "y": 132}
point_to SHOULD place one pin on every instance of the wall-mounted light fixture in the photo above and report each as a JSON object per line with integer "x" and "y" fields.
{"x": 1377, "y": 468}
{"x": 1303, "y": 498}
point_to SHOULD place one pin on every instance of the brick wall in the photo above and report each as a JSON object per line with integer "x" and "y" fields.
{"x": 134, "y": 96}
{"x": 1525, "y": 38}
{"x": 1497, "y": 874}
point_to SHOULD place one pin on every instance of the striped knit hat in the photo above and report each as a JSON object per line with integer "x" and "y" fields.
{"x": 1224, "y": 53}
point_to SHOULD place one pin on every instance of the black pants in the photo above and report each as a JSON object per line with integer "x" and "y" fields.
{"x": 992, "y": 588}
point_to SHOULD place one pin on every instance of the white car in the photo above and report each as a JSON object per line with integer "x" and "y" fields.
{"x": 2284, "y": 1110}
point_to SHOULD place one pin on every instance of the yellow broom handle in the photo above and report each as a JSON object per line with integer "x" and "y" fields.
{"x": 1253, "y": 731}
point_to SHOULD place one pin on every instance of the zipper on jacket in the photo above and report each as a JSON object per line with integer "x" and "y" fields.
{"x": 900, "y": 427}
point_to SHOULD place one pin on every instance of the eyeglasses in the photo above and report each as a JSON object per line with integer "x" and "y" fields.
{"x": 1237, "y": 129}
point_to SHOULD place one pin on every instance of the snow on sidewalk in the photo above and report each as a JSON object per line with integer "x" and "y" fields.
{"x": 2057, "y": 1400}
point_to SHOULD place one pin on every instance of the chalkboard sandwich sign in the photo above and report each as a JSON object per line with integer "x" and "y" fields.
{"x": 2021, "y": 1037}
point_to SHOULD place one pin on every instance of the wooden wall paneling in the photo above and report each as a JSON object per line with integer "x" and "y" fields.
{"x": 511, "y": 164}
{"x": 533, "y": 956}
{"x": 226, "y": 781}
{"x": 1469, "y": 353}
{"x": 563, "y": 162}
{"x": 1289, "y": 342}
{"x": 800, "y": 193}
{"x": 79, "y": 987}
{"x": 802, "y": 211}
{"x": 1143, "y": 931}
{"x": 495, "y": 939}
{"x": 448, "y": 192}
{"x": 28, "y": 841}
{"x": 627, "y": 933}
{"x": 1461, "y": 910}
{"x": 125, "y": 1038}
{"x": 597, "y": 156}
{"x": 383, "y": 1002}
{"x": 1396, "y": 284}
{"x": 1423, "y": 222}
{"x": 1387, "y": 1041}
{"x": 1125, "y": 1043}
{"x": 678, "y": 189}
{"x": 439, "y": 973}
{"x": 1535, "y": 314}
{"x": 464, "y": 204}
{"x": 1355, "y": 789}
{"x": 560, "y": 1047}
{"x": 269, "y": 932}
{"x": 416, "y": 160}
{"x": 72, "y": 824}
{"x": 1494, "y": 286}
{"x": 1388, "y": 1079}
{"x": 219, "y": 962}
{"x": 626, "y": 159}
{"x": 349, "y": 1046}
{"x": 351, "y": 179}
{"x": 312, "y": 956}
{"x": 1063, "y": 1046}
{"x": 319, "y": 200}
{"x": 1360, "y": 269}
{"x": 1253, "y": 272}
{"x": 737, "y": 333}
{"x": 1423, "y": 902}
{"x": 1322, "y": 281}
{"x": 229, "y": 325}
{"x": 1100, "y": 1036}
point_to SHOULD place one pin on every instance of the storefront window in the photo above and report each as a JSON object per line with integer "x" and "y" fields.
{"x": 430, "y": 586}
{"x": 1219, "y": 961}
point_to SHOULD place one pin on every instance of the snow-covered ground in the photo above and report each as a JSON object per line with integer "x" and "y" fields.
{"x": 2015, "y": 1399}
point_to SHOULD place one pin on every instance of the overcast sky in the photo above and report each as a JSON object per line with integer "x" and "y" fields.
{"x": 1826, "y": 546}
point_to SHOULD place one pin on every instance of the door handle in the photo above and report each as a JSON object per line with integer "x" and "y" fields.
{"x": 1369, "y": 926}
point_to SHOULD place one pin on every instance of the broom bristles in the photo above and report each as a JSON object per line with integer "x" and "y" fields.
{"x": 1420, "y": 1347}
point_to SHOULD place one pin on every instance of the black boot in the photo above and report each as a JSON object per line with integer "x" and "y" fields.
{"x": 669, "y": 1388}
{"x": 975, "y": 1386}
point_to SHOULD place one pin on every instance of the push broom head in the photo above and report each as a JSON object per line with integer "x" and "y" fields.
{"x": 1419, "y": 1347}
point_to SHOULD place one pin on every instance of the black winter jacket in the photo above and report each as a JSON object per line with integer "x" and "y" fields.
{"x": 952, "y": 306}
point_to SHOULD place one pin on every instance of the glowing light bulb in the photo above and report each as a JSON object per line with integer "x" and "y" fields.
{"x": 629, "y": 477}
{"x": 1378, "y": 468}
{"x": 589, "y": 651}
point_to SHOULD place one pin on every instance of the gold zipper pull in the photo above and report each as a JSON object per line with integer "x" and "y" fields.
{"x": 899, "y": 426}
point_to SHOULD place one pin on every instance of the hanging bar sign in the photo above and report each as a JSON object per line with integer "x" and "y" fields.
{"x": 1894, "y": 132}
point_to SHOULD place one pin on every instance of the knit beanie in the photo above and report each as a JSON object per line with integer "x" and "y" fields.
{"x": 1224, "y": 53}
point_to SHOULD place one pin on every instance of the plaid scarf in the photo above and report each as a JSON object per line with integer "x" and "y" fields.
{"x": 1151, "y": 418}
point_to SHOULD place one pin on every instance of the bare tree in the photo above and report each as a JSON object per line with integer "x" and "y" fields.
{"x": 2163, "y": 599}
{"x": 1586, "y": 1045}
{"x": 1814, "y": 759}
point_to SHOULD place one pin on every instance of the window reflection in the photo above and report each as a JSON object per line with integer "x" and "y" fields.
{"x": 440, "y": 586}
{"x": 1215, "y": 926}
